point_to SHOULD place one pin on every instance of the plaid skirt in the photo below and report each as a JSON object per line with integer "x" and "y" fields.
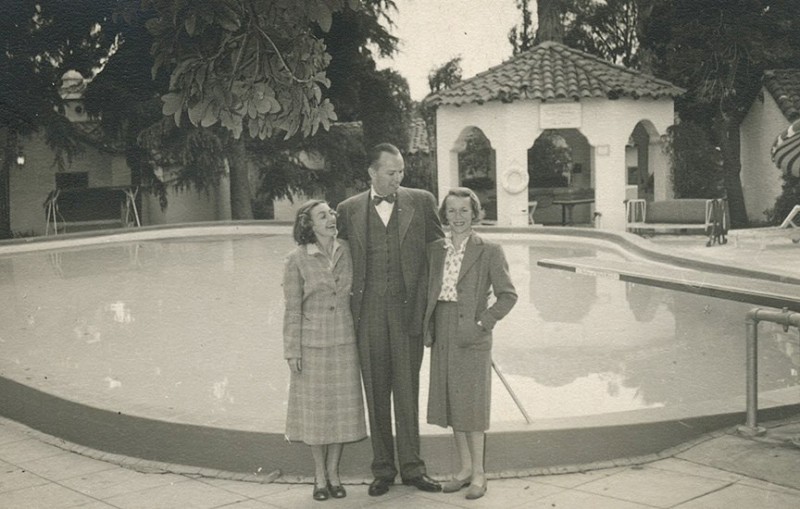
{"x": 326, "y": 403}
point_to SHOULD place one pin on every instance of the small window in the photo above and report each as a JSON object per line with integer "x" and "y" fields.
{"x": 633, "y": 175}
{"x": 72, "y": 180}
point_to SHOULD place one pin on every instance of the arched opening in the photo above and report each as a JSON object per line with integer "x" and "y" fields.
{"x": 640, "y": 174}
{"x": 477, "y": 168}
{"x": 559, "y": 169}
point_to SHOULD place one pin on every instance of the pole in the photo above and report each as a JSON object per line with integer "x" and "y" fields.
{"x": 511, "y": 392}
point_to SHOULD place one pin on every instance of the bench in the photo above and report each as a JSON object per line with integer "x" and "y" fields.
{"x": 708, "y": 216}
{"x": 91, "y": 208}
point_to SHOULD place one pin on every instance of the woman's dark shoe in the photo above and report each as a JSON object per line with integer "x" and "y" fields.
{"x": 321, "y": 494}
{"x": 455, "y": 485}
{"x": 336, "y": 490}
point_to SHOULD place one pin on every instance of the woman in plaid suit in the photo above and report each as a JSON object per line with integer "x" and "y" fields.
{"x": 326, "y": 406}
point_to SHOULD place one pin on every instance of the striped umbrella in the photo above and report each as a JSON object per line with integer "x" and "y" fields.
{"x": 786, "y": 149}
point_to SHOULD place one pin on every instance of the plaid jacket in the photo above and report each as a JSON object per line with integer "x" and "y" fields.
{"x": 317, "y": 296}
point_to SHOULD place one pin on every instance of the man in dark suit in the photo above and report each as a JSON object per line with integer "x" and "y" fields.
{"x": 388, "y": 228}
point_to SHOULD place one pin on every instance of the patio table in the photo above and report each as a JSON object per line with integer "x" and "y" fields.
{"x": 567, "y": 206}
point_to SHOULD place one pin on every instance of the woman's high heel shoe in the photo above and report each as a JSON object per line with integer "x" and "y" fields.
{"x": 336, "y": 491}
{"x": 320, "y": 494}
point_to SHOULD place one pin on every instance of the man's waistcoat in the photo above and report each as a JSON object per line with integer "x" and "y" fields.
{"x": 383, "y": 255}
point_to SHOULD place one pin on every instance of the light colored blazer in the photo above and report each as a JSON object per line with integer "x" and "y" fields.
{"x": 484, "y": 267}
{"x": 418, "y": 224}
{"x": 317, "y": 297}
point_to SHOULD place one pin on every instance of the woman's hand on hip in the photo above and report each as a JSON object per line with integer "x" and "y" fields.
{"x": 295, "y": 364}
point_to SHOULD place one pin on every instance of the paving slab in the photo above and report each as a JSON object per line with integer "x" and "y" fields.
{"x": 184, "y": 495}
{"x": 739, "y": 495}
{"x": 118, "y": 481}
{"x": 653, "y": 487}
{"x": 572, "y": 499}
{"x": 13, "y": 477}
{"x": 47, "y": 496}
{"x": 775, "y": 462}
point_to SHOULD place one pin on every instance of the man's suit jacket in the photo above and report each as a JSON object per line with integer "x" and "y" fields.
{"x": 484, "y": 266}
{"x": 418, "y": 224}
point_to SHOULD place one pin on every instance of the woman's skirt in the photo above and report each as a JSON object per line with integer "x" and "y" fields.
{"x": 460, "y": 383}
{"x": 326, "y": 403}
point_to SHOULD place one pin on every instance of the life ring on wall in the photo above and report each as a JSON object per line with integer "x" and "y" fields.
{"x": 515, "y": 180}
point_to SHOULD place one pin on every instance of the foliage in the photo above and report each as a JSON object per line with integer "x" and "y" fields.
{"x": 446, "y": 75}
{"x": 357, "y": 91}
{"x": 606, "y": 29}
{"x": 521, "y": 36}
{"x": 420, "y": 171}
{"x": 39, "y": 41}
{"x": 549, "y": 161}
{"x": 477, "y": 158}
{"x": 696, "y": 164}
{"x": 718, "y": 50}
{"x": 251, "y": 64}
{"x": 790, "y": 196}
{"x": 282, "y": 172}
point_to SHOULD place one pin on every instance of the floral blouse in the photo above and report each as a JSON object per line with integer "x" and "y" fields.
{"x": 452, "y": 266}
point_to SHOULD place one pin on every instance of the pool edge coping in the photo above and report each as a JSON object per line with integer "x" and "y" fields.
{"x": 624, "y": 240}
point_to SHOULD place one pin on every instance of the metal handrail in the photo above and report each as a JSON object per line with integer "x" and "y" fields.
{"x": 754, "y": 316}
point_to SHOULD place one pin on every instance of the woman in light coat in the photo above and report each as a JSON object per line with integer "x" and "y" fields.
{"x": 463, "y": 268}
{"x": 325, "y": 408}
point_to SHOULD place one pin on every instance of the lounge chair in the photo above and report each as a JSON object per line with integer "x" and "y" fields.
{"x": 789, "y": 228}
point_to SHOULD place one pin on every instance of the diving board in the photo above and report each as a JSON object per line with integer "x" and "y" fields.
{"x": 753, "y": 291}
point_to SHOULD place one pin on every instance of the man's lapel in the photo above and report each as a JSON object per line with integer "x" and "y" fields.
{"x": 360, "y": 211}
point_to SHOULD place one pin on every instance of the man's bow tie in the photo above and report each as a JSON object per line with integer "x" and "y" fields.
{"x": 389, "y": 198}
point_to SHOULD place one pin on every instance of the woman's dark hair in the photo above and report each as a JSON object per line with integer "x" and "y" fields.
{"x": 303, "y": 231}
{"x": 461, "y": 192}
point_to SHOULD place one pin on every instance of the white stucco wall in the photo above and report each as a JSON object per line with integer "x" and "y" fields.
{"x": 761, "y": 179}
{"x": 512, "y": 129}
{"x": 189, "y": 205}
{"x": 32, "y": 182}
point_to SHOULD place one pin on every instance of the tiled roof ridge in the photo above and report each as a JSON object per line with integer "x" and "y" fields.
{"x": 604, "y": 62}
{"x": 554, "y": 71}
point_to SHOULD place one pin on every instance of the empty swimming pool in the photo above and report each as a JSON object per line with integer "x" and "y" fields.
{"x": 187, "y": 329}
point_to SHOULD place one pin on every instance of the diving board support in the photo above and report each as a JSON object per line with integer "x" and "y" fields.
{"x": 754, "y": 316}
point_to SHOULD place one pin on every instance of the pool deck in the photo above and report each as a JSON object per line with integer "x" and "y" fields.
{"x": 719, "y": 469}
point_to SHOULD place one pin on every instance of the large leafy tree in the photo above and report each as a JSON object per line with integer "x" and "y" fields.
{"x": 245, "y": 65}
{"x": 718, "y": 50}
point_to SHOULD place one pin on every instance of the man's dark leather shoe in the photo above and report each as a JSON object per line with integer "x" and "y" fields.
{"x": 424, "y": 483}
{"x": 379, "y": 487}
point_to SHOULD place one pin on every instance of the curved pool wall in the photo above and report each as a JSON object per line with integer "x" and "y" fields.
{"x": 558, "y": 444}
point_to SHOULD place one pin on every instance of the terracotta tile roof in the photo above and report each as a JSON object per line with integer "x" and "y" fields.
{"x": 418, "y": 137}
{"x": 553, "y": 71}
{"x": 784, "y": 86}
